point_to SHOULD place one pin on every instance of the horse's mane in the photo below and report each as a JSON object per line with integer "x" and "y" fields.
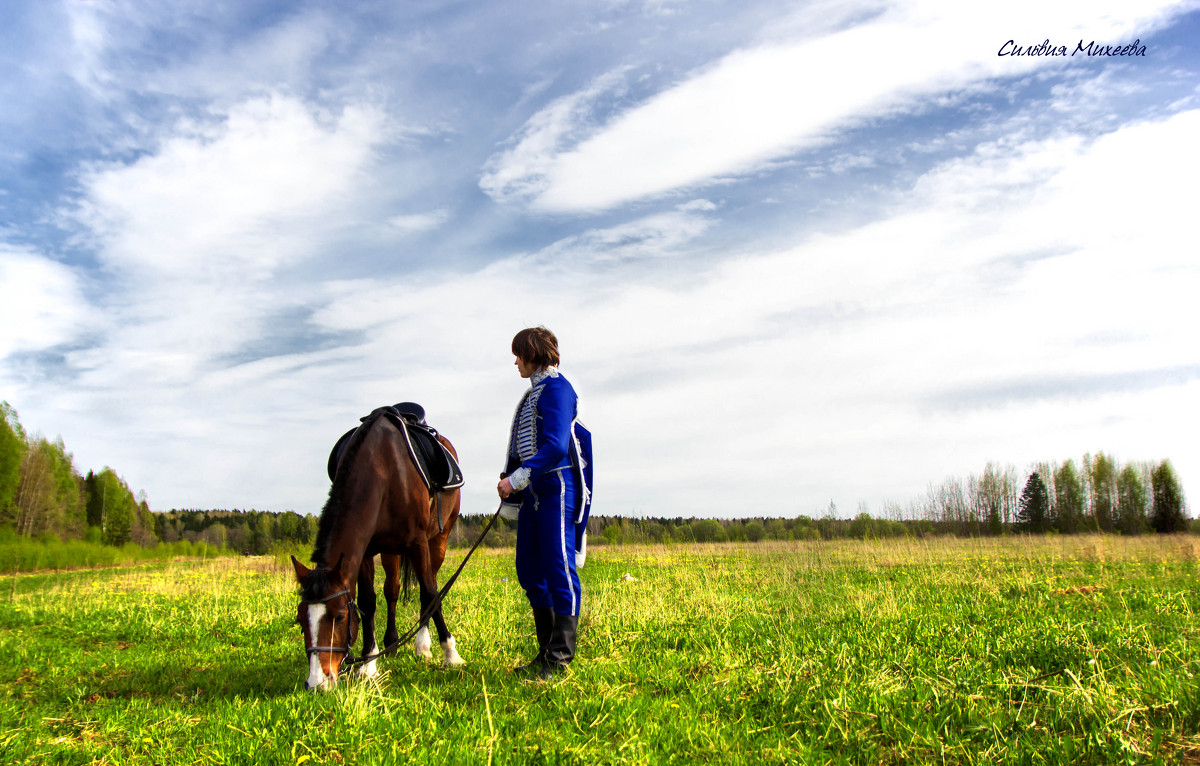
{"x": 334, "y": 505}
{"x": 316, "y": 586}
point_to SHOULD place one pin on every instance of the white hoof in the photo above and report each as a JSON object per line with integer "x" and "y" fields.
{"x": 422, "y": 645}
{"x": 450, "y": 657}
{"x": 368, "y": 669}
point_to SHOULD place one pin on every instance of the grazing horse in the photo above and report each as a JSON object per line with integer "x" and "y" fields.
{"x": 377, "y": 505}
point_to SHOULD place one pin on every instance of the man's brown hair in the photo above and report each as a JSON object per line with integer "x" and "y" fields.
{"x": 537, "y": 346}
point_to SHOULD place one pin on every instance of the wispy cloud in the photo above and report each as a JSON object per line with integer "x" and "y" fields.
{"x": 758, "y": 104}
{"x": 417, "y": 222}
{"x": 523, "y": 171}
{"x": 1006, "y": 393}
{"x": 651, "y": 237}
{"x": 199, "y": 245}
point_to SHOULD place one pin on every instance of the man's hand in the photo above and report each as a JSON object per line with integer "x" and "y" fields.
{"x": 504, "y": 488}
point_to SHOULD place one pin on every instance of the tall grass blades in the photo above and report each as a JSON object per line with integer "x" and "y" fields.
{"x": 1005, "y": 650}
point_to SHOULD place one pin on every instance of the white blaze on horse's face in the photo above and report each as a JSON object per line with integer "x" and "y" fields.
{"x": 319, "y": 627}
{"x": 317, "y": 679}
{"x": 321, "y": 621}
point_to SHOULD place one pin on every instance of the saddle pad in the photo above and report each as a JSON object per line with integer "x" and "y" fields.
{"x": 438, "y": 468}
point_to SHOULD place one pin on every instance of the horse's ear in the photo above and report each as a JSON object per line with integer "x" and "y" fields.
{"x": 302, "y": 571}
{"x": 337, "y": 568}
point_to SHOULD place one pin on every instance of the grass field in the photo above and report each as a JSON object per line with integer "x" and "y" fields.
{"x": 1014, "y": 650}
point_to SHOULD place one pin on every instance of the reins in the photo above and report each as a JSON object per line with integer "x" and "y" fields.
{"x": 426, "y": 613}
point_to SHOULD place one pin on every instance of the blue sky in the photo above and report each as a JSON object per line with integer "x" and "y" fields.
{"x": 793, "y": 252}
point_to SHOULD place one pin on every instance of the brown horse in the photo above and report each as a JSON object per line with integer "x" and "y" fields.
{"x": 377, "y": 505}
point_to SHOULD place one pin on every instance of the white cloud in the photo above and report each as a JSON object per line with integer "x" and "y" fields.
{"x": 837, "y": 357}
{"x": 110, "y": 40}
{"x": 269, "y": 59}
{"x": 520, "y": 172}
{"x": 650, "y": 237}
{"x": 91, "y": 40}
{"x": 218, "y": 197}
{"x": 867, "y": 358}
{"x": 990, "y": 311}
{"x": 759, "y": 104}
{"x": 418, "y": 222}
{"x": 41, "y": 303}
{"x": 199, "y": 239}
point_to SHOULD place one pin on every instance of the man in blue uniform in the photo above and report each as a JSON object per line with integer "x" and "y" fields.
{"x": 544, "y": 474}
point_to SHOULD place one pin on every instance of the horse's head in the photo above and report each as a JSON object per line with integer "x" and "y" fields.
{"x": 328, "y": 618}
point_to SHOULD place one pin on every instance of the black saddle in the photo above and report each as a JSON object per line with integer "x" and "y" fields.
{"x": 438, "y": 468}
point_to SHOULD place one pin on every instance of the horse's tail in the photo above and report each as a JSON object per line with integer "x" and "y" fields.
{"x": 406, "y": 566}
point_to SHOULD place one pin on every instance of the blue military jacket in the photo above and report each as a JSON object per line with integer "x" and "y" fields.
{"x": 547, "y": 437}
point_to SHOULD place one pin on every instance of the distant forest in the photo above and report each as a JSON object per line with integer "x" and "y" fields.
{"x": 43, "y": 496}
{"x": 1132, "y": 499}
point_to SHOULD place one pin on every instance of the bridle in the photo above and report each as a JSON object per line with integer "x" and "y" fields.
{"x": 351, "y": 629}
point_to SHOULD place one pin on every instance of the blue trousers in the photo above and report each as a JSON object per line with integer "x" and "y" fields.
{"x": 546, "y": 544}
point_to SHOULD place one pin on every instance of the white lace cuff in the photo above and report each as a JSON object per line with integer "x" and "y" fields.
{"x": 519, "y": 479}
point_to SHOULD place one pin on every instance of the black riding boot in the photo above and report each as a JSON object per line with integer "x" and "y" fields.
{"x": 561, "y": 649}
{"x": 543, "y": 621}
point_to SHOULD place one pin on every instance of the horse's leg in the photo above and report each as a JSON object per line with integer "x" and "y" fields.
{"x": 437, "y": 554}
{"x": 391, "y": 592}
{"x": 426, "y": 577}
{"x": 366, "y": 607}
{"x": 422, "y": 646}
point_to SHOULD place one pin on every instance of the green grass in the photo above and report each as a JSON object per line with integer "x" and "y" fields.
{"x": 845, "y": 652}
{"x": 22, "y": 555}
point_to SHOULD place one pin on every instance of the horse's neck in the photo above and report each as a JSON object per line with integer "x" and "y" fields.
{"x": 354, "y": 525}
{"x": 362, "y": 496}
{"x": 345, "y": 548}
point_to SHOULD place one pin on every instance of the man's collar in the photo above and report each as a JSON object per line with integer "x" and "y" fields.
{"x": 546, "y": 372}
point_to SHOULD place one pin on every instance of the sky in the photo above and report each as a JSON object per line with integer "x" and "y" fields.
{"x": 794, "y": 253}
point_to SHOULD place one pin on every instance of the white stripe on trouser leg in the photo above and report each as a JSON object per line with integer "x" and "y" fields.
{"x": 562, "y": 537}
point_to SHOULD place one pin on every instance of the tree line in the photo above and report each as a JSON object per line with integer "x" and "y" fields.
{"x": 1130, "y": 501}
{"x": 1099, "y": 494}
{"x": 43, "y": 495}
{"x": 245, "y": 531}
